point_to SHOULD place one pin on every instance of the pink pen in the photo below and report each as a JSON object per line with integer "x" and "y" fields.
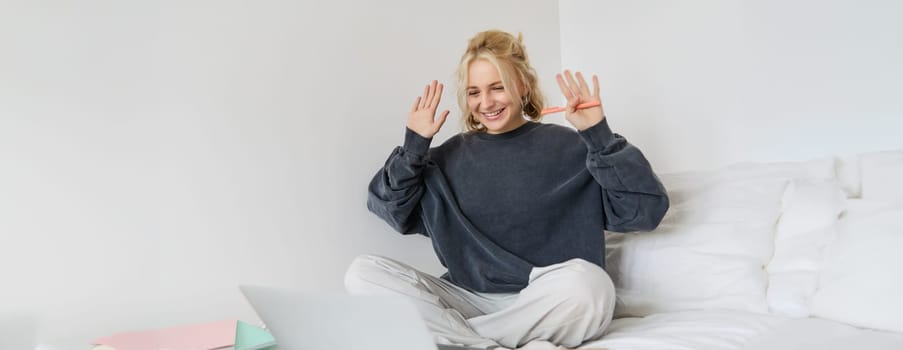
{"x": 551, "y": 110}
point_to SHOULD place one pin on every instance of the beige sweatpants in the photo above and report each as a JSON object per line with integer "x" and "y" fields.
{"x": 564, "y": 304}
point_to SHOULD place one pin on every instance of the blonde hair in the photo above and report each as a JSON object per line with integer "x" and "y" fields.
{"x": 509, "y": 56}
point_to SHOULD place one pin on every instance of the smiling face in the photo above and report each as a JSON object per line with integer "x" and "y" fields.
{"x": 489, "y": 101}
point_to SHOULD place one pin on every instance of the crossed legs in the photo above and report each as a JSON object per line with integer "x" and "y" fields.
{"x": 564, "y": 304}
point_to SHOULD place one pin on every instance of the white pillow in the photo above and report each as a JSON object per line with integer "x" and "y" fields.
{"x": 711, "y": 248}
{"x": 814, "y": 170}
{"x": 810, "y": 211}
{"x": 684, "y": 185}
{"x": 849, "y": 176}
{"x": 881, "y": 173}
{"x": 861, "y": 281}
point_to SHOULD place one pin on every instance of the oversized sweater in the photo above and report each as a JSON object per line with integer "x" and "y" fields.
{"x": 497, "y": 205}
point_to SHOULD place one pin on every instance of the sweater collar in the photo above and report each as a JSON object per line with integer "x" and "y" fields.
{"x": 510, "y": 134}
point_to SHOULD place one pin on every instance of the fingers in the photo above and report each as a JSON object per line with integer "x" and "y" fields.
{"x": 571, "y": 87}
{"x": 572, "y": 83}
{"x": 436, "y": 97}
{"x": 596, "y": 87}
{"x": 576, "y": 87}
{"x": 432, "y": 93}
{"x": 428, "y": 99}
{"x": 565, "y": 90}
{"x": 573, "y": 92}
{"x": 426, "y": 92}
{"x": 584, "y": 88}
{"x": 441, "y": 120}
{"x": 416, "y": 104}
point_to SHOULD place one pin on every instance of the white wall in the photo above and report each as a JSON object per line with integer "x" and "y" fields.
{"x": 156, "y": 154}
{"x": 703, "y": 83}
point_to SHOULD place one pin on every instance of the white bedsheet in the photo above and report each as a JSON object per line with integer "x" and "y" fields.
{"x": 726, "y": 330}
{"x": 822, "y": 334}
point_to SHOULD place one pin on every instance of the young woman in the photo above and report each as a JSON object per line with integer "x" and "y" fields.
{"x": 515, "y": 208}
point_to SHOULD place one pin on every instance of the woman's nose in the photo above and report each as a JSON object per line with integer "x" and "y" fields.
{"x": 485, "y": 100}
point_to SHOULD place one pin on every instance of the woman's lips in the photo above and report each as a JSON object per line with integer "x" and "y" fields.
{"x": 493, "y": 116}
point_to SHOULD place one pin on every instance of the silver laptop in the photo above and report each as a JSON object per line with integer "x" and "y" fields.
{"x": 301, "y": 321}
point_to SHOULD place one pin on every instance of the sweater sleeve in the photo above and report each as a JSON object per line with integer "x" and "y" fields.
{"x": 633, "y": 197}
{"x": 396, "y": 189}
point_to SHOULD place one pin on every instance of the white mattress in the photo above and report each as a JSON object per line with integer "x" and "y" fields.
{"x": 824, "y": 335}
{"x": 725, "y": 330}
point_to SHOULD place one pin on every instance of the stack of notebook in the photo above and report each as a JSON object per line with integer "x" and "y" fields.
{"x": 225, "y": 334}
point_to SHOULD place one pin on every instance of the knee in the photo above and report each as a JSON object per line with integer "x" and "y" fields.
{"x": 577, "y": 291}
{"x": 363, "y": 270}
{"x": 587, "y": 275}
{"x": 582, "y": 285}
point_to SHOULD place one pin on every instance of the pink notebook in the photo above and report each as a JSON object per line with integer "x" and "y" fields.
{"x": 204, "y": 336}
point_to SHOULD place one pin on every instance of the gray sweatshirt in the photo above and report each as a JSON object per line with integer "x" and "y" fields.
{"x": 495, "y": 206}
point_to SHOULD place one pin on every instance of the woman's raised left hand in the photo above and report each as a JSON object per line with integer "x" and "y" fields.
{"x": 577, "y": 92}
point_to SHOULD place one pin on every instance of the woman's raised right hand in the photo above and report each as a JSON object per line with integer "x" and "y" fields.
{"x": 422, "y": 118}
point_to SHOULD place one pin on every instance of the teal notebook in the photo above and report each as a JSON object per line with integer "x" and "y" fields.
{"x": 249, "y": 337}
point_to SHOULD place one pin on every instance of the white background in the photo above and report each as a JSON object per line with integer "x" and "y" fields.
{"x": 703, "y": 83}
{"x": 156, "y": 154}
